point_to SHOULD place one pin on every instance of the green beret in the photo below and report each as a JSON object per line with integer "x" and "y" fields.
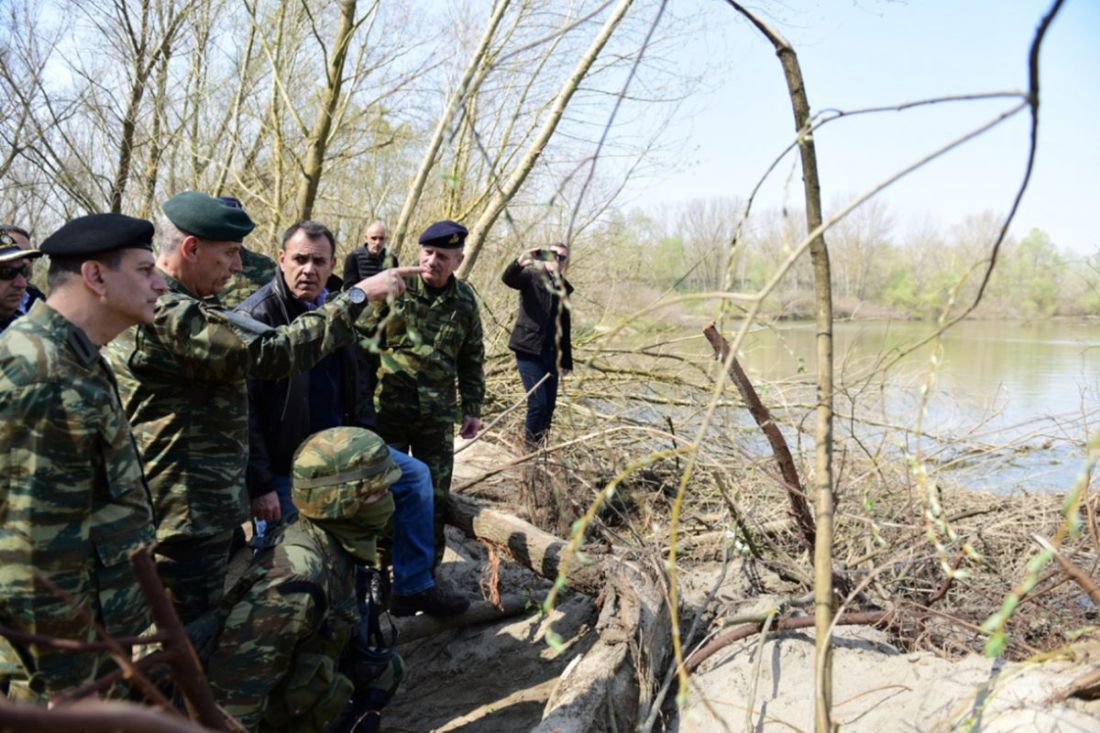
{"x": 95, "y": 234}
{"x": 207, "y": 217}
{"x": 444, "y": 234}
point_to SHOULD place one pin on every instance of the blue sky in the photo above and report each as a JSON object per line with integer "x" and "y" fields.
{"x": 882, "y": 52}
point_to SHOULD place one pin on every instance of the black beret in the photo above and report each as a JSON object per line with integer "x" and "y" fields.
{"x": 207, "y": 217}
{"x": 97, "y": 233}
{"x": 444, "y": 234}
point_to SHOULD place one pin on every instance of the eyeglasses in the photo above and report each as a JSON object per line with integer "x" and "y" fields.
{"x": 231, "y": 202}
{"x": 7, "y": 272}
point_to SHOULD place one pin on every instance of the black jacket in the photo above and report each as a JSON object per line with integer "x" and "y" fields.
{"x": 278, "y": 411}
{"x": 360, "y": 263}
{"x": 538, "y": 308}
{"x": 35, "y": 295}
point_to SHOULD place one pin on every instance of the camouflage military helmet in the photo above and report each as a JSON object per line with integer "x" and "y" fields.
{"x": 339, "y": 471}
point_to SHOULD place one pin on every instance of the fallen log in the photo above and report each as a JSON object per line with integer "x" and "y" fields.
{"x": 605, "y": 688}
{"x": 539, "y": 551}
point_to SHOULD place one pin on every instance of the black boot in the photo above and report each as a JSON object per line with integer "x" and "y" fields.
{"x": 434, "y": 601}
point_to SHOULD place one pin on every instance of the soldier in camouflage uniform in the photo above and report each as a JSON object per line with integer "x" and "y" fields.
{"x": 278, "y": 662}
{"x": 432, "y": 339}
{"x": 73, "y": 499}
{"x": 182, "y": 380}
{"x": 256, "y": 270}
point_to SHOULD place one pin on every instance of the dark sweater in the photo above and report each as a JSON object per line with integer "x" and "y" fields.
{"x": 281, "y": 413}
{"x": 360, "y": 263}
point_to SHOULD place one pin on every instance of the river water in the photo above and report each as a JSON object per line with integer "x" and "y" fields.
{"x": 1010, "y": 404}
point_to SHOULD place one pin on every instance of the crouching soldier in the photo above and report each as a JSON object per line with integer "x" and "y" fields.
{"x": 293, "y": 653}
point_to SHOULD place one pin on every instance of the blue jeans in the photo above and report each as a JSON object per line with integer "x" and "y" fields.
{"x": 540, "y": 403}
{"x": 413, "y": 535}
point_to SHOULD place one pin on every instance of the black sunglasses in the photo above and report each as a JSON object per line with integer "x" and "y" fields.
{"x": 7, "y": 272}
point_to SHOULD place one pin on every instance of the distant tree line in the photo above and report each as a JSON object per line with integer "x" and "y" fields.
{"x": 880, "y": 269}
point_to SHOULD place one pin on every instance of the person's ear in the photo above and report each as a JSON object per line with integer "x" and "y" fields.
{"x": 189, "y": 248}
{"x": 91, "y": 272}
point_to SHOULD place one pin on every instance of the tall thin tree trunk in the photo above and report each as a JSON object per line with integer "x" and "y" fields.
{"x": 453, "y": 106}
{"x": 129, "y": 120}
{"x": 318, "y": 136}
{"x": 156, "y": 147}
{"x": 823, "y": 432}
{"x": 500, "y": 199}
{"x": 454, "y": 194}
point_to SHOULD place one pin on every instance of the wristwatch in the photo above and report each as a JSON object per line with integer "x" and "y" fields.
{"x": 357, "y": 296}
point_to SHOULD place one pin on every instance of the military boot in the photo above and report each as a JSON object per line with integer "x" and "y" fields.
{"x": 435, "y": 601}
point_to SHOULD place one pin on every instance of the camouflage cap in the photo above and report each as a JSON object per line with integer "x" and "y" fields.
{"x": 340, "y": 470}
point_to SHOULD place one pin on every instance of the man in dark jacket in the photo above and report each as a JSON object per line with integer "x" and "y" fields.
{"x": 371, "y": 258}
{"x": 541, "y": 337}
{"x": 283, "y": 413}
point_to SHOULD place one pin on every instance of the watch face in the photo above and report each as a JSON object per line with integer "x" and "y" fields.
{"x": 357, "y": 295}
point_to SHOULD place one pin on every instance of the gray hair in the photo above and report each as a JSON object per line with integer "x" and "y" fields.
{"x": 168, "y": 237}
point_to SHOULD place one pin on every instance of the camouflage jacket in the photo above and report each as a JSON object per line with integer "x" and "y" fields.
{"x": 73, "y": 500}
{"x": 428, "y": 343}
{"x": 182, "y": 380}
{"x": 278, "y": 656}
{"x": 256, "y": 271}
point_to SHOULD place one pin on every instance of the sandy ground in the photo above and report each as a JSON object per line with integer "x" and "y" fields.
{"x": 497, "y": 677}
{"x": 876, "y": 688}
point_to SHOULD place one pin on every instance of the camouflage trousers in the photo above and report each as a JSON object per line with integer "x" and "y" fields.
{"x": 110, "y": 595}
{"x": 432, "y": 440}
{"x": 33, "y": 673}
{"x": 193, "y": 569}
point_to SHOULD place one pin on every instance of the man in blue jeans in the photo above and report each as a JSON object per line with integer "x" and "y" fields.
{"x": 283, "y": 413}
{"x": 541, "y": 338}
